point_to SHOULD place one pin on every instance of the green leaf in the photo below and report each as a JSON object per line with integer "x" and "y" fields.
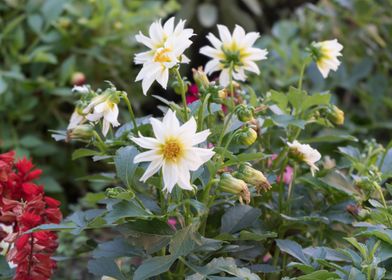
{"x": 126, "y": 209}
{"x": 219, "y": 265}
{"x": 279, "y": 98}
{"x": 293, "y": 249}
{"x": 114, "y": 249}
{"x": 239, "y": 217}
{"x": 124, "y": 164}
{"x": 52, "y": 9}
{"x": 331, "y": 138}
{"x": 30, "y": 141}
{"x": 355, "y": 274}
{"x": 382, "y": 234}
{"x": 50, "y": 184}
{"x": 35, "y": 22}
{"x": 105, "y": 267}
{"x": 5, "y": 270}
{"x": 3, "y": 85}
{"x": 286, "y": 120}
{"x": 247, "y": 235}
{"x": 153, "y": 267}
{"x": 185, "y": 241}
{"x": 320, "y": 275}
{"x": 152, "y": 235}
{"x": 80, "y": 153}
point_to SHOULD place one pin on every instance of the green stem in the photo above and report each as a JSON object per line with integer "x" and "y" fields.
{"x": 290, "y": 189}
{"x": 183, "y": 91}
{"x": 301, "y": 75}
{"x": 225, "y": 125}
{"x": 131, "y": 114}
{"x": 101, "y": 145}
{"x": 379, "y": 190}
{"x": 231, "y": 69}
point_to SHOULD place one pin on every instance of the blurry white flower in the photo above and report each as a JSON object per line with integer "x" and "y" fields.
{"x": 104, "y": 107}
{"x": 75, "y": 120}
{"x": 305, "y": 153}
{"x": 5, "y": 246}
{"x": 173, "y": 150}
{"x": 80, "y": 89}
{"x": 326, "y": 55}
{"x": 167, "y": 44}
{"x": 233, "y": 49}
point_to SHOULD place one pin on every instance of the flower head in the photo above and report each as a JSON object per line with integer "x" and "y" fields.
{"x": 167, "y": 44}
{"x": 325, "y": 54}
{"x": 104, "y": 106}
{"x": 173, "y": 151}
{"x": 233, "y": 50}
{"x": 305, "y": 153}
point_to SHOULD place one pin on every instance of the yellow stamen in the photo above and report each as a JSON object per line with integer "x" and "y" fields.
{"x": 161, "y": 55}
{"x": 172, "y": 149}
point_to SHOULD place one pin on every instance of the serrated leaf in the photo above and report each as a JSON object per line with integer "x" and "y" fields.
{"x": 125, "y": 166}
{"x": 153, "y": 267}
{"x": 239, "y": 217}
{"x": 293, "y": 249}
{"x": 126, "y": 209}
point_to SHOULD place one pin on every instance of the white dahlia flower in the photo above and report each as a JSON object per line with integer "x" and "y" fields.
{"x": 173, "y": 150}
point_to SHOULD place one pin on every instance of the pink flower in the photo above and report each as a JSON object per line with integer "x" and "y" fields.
{"x": 193, "y": 94}
{"x": 287, "y": 174}
{"x": 172, "y": 222}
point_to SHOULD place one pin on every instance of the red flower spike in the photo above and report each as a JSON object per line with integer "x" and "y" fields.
{"x": 23, "y": 205}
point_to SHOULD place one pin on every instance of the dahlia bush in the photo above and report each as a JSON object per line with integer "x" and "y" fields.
{"x": 229, "y": 184}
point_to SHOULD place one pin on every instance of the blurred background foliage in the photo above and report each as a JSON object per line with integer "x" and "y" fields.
{"x": 47, "y": 46}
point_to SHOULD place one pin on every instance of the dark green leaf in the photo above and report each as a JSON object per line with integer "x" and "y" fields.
{"x": 239, "y": 217}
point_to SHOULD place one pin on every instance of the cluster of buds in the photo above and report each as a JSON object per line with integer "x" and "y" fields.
{"x": 253, "y": 177}
{"x": 245, "y": 113}
{"x": 24, "y": 206}
{"x": 238, "y": 182}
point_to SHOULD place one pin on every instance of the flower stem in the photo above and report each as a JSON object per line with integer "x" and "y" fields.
{"x": 231, "y": 69}
{"x": 101, "y": 145}
{"x": 131, "y": 114}
{"x": 183, "y": 91}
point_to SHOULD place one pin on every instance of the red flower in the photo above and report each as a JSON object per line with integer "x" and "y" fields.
{"x": 23, "y": 205}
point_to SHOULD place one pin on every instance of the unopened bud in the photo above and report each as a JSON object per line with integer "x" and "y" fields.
{"x": 178, "y": 88}
{"x": 200, "y": 78}
{"x": 222, "y": 94}
{"x": 253, "y": 176}
{"x": 81, "y": 132}
{"x": 235, "y": 186}
{"x": 64, "y": 22}
{"x": 247, "y": 136}
{"x": 245, "y": 113}
{"x": 78, "y": 79}
{"x": 335, "y": 115}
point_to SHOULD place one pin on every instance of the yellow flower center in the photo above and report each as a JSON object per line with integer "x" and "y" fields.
{"x": 161, "y": 55}
{"x": 172, "y": 149}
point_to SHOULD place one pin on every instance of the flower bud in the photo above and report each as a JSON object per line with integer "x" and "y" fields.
{"x": 81, "y": 132}
{"x": 236, "y": 186}
{"x": 245, "y": 113}
{"x": 254, "y": 177}
{"x": 222, "y": 94}
{"x": 177, "y": 87}
{"x": 200, "y": 78}
{"x": 78, "y": 79}
{"x": 247, "y": 136}
{"x": 335, "y": 115}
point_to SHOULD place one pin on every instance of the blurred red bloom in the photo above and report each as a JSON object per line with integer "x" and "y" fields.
{"x": 23, "y": 206}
